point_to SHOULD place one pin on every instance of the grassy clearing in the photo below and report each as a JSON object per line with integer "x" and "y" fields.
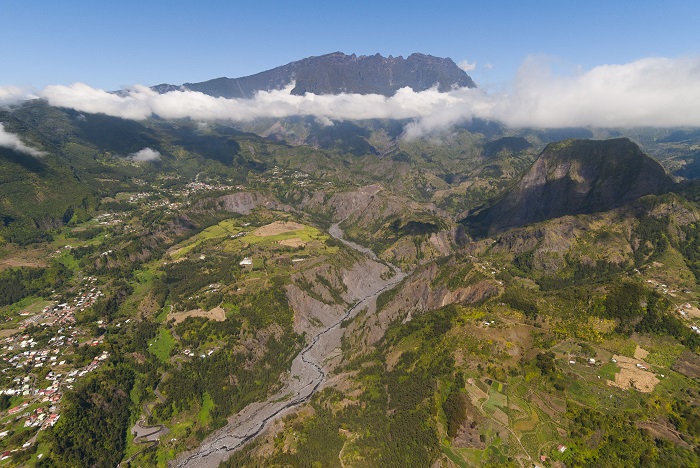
{"x": 68, "y": 261}
{"x": 30, "y": 305}
{"x": 142, "y": 285}
{"x": 672, "y": 384}
{"x": 162, "y": 344}
{"x": 472, "y": 456}
{"x": 607, "y": 371}
{"x": 306, "y": 234}
{"x": 204, "y": 416}
{"x": 163, "y": 314}
{"x": 35, "y": 307}
{"x": 456, "y": 459}
{"x": 622, "y": 346}
{"x": 224, "y": 229}
{"x": 664, "y": 354}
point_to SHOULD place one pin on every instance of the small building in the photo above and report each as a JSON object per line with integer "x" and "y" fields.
{"x": 247, "y": 261}
{"x": 561, "y": 448}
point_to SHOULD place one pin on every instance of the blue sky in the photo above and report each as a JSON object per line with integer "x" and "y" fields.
{"x": 113, "y": 44}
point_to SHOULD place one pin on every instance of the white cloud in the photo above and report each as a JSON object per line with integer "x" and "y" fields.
{"x": 13, "y": 94}
{"x": 12, "y": 141}
{"x": 146, "y": 154}
{"x": 79, "y": 96}
{"x": 652, "y": 92}
{"x": 140, "y": 102}
{"x": 648, "y": 92}
{"x": 466, "y": 66}
{"x": 324, "y": 121}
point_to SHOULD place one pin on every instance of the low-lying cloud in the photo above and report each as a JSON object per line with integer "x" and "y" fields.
{"x": 12, "y": 141}
{"x": 13, "y": 94}
{"x": 659, "y": 92}
{"x": 146, "y": 154}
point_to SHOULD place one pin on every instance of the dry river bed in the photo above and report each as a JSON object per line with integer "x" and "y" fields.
{"x": 306, "y": 376}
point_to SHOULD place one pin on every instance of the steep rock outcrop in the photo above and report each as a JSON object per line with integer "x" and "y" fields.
{"x": 242, "y": 203}
{"x": 575, "y": 177}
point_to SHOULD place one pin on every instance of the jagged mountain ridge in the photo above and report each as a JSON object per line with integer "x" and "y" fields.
{"x": 337, "y": 73}
{"x": 575, "y": 177}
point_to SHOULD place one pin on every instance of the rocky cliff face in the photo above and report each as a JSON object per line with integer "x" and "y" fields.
{"x": 241, "y": 203}
{"x": 575, "y": 177}
{"x": 416, "y": 295}
{"x": 339, "y": 73}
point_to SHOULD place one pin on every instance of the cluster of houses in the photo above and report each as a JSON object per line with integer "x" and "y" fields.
{"x": 188, "y": 352}
{"x": 33, "y": 359}
{"x": 47, "y": 413}
{"x": 41, "y": 418}
{"x": 27, "y": 357}
{"x": 660, "y": 286}
{"x": 683, "y": 312}
{"x": 591, "y": 361}
{"x": 203, "y": 186}
{"x": 64, "y": 313}
{"x": 108, "y": 219}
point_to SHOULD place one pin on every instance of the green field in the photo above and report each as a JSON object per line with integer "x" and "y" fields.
{"x": 207, "y": 405}
{"x": 162, "y": 344}
{"x": 607, "y": 371}
{"x": 225, "y": 228}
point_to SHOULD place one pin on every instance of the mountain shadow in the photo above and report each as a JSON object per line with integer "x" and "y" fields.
{"x": 574, "y": 177}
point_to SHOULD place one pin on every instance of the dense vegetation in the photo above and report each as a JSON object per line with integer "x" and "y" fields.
{"x": 92, "y": 431}
{"x": 491, "y": 353}
{"x": 18, "y": 283}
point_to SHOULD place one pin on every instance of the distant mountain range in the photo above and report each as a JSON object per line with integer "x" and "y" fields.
{"x": 340, "y": 73}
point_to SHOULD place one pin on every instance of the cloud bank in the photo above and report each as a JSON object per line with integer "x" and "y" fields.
{"x": 13, "y": 94}
{"x": 12, "y": 141}
{"x": 146, "y": 154}
{"x": 660, "y": 92}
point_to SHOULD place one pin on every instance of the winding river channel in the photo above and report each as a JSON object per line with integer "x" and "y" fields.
{"x": 306, "y": 376}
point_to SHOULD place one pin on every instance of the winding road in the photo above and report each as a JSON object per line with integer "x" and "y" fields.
{"x": 306, "y": 376}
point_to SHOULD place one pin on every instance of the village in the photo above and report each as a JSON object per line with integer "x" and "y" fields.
{"x": 37, "y": 365}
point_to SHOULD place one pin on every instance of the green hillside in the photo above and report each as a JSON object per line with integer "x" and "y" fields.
{"x": 531, "y": 291}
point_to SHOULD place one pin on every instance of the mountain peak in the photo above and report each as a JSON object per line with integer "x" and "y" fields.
{"x": 573, "y": 177}
{"x": 337, "y": 73}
